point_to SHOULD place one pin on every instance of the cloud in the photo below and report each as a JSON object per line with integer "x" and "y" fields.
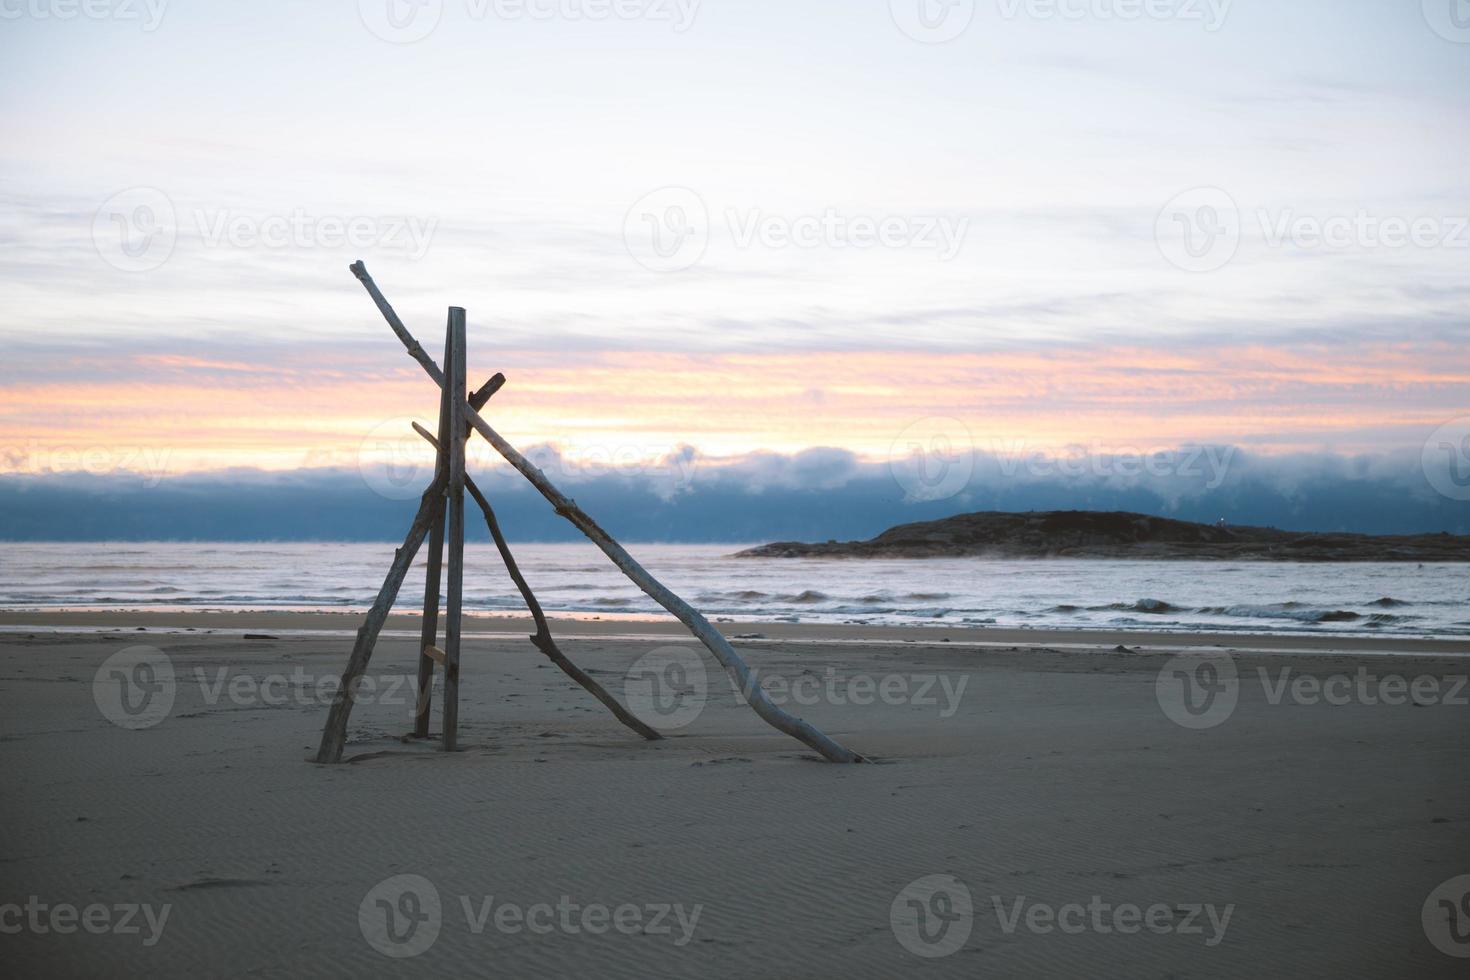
{"x": 814, "y": 495}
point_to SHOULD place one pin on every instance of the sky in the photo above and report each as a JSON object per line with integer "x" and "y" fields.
{"x": 821, "y": 237}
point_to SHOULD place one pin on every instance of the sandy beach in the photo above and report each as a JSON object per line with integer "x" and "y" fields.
{"x": 1043, "y": 805}
{"x": 645, "y": 489}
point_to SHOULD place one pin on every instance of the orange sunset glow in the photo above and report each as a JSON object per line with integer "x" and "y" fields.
{"x": 645, "y": 404}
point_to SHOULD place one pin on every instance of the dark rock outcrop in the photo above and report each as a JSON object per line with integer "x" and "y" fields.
{"x": 1093, "y": 534}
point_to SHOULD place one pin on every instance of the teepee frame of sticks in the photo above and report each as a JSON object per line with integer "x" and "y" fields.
{"x": 440, "y": 518}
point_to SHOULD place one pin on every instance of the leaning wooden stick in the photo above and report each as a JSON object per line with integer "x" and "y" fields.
{"x": 686, "y": 614}
{"x": 334, "y": 735}
{"x": 543, "y": 639}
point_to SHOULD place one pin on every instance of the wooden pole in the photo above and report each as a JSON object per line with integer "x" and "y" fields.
{"x": 716, "y": 643}
{"x": 334, "y": 735}
{"x": 454, "y": 606}
{"x": 429, "y": 633}
{"x": 543, "y": 639}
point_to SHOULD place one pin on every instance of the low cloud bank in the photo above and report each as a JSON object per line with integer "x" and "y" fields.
{"x": 818, "y": 494}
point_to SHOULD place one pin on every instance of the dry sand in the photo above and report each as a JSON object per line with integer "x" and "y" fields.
{"x": 1039, "y": 771}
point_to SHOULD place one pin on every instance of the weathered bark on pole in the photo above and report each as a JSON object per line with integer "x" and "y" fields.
{"x": 454, "y": 602}
{"x": 334, "y": 735}
{"x": 713, "y": 640}
{"x": 429, "y": 634}
{"x": 543, "y": 639}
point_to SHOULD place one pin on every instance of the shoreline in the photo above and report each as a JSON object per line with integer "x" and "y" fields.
{"x": 406, "y": 625}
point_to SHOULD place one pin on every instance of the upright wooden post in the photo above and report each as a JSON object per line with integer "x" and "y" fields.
{"x": 429, "y": 634}
{"x": 454, "y": 606}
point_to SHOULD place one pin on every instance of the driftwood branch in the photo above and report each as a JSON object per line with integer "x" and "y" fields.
{"x": 486, "y": 392}
{"x": 713, "y": 640}
{"x": 334, "y": 735}
{"x": 454, "y": 601}
{"x": 543, "y": 639}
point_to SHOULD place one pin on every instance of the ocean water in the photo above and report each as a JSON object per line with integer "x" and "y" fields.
{"x": 1354, "y": 598}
